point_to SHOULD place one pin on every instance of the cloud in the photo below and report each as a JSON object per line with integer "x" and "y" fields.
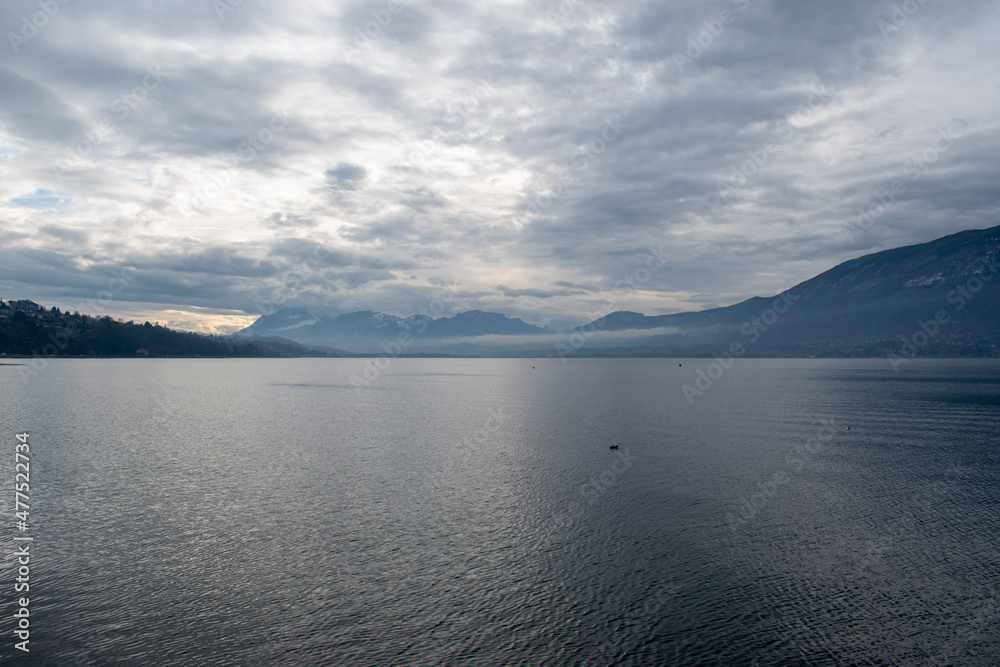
{"x": 543, "y": 294}
{"x": 537, "y": 293}
{"x": 71, "y": 235}
{"x": 30, "y": 110}
{"x": 346, "y": 176}
{"x": 535, "y": 153}
{"x": 279, "y": 220}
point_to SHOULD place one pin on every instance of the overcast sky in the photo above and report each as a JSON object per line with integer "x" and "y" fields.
{"x": 200, "y": 161}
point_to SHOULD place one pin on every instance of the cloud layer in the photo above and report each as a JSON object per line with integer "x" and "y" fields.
{"x": 223, "y": 158}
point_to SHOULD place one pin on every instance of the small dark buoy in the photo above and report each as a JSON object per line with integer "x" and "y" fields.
{"x": 613, "y": 447}
{"x": 678, "y": 365}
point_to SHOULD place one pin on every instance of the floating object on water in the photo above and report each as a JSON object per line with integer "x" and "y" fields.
{"x": 613, "y": 447}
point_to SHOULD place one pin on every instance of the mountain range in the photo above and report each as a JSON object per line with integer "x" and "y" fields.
{"x": 933, "y": 299}
{"x": 365, "y": 330}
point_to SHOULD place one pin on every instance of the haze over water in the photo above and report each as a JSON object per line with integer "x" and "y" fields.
{"x": 470, "y": 511}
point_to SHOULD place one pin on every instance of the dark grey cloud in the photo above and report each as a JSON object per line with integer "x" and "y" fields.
{"x": 537, "y": 293}
{"x": 563, "y": 283}
{"x": 345, "y": 176}
{"x": 65, "y": 234}
{"x": 31, "y": 111}
{"x": 224, "y": 261}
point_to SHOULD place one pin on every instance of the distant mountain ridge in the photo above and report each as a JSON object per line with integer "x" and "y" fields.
{"x": 364, "y": 330}
{"x": 862, "y": 307}
{"x": 877, "y": 297}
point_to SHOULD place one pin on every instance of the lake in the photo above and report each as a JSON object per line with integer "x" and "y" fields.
{"x": 472, "y": 512}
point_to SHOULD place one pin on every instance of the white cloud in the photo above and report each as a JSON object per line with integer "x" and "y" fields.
{"x": 463, "y": 143}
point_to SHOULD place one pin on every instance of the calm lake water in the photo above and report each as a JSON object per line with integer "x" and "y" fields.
{"x": 471, "y": 512}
